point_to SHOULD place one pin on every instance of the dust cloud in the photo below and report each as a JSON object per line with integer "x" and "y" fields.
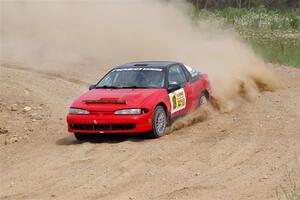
{"x": 84, "y": 39}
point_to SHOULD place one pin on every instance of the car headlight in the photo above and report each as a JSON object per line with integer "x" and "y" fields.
{"x": 78, "y": 111}
{"x": 133, "y": 111}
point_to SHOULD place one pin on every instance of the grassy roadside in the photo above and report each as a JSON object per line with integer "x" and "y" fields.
{"x": 273, "y": 35}
{"x": 275, "y": 46}
{"x": 290, "y": 188}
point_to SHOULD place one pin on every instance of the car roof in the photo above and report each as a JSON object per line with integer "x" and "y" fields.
{"x": 152, "y": 64}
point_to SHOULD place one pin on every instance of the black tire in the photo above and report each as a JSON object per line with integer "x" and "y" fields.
{"x": 159, "y": 122}
{"x": 203, "y": 98}
{"x": 81, "y": 136}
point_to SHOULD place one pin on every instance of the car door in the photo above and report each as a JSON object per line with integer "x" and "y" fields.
{"x": 180, "y": 98}
{"x": 196, "y": 86}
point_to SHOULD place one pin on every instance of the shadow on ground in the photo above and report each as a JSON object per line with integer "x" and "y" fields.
{"x": 103, "y": 138}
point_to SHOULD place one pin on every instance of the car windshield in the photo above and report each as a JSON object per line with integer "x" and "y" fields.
{"x": 133, "y": 78}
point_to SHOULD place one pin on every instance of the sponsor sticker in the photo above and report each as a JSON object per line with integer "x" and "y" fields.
{"x": 138, "y": 69}
{"x": 178, "y": 100}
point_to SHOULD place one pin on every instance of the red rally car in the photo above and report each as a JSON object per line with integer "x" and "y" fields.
{"x": 138, "y": 97}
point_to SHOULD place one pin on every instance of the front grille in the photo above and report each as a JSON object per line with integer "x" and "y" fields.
{"x": 103, "y": 127}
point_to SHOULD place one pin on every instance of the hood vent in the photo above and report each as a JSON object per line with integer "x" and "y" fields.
{"x": 106, "y": 101}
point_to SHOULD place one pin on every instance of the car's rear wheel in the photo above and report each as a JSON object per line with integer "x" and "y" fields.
{"x": 159, "y": 122}
{"x": 203, "y": 98}
{"x": 81, "y": 136}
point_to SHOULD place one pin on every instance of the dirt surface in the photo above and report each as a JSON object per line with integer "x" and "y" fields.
{"x": 247, "y": 153}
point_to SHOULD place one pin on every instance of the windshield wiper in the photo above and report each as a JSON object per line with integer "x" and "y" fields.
{"x": 107, "y": 86}
{"x": 115, "y": 87}
{"x": 133, "y": 86}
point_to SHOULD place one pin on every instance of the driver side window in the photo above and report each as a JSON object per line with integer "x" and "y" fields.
{"x": 176, "y": 75}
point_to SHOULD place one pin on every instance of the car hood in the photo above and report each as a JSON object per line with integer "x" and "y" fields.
{"x": 113, "y": 99}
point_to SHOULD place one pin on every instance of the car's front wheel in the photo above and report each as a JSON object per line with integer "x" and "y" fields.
{"x": 159, "y": 122}
{"x": 81, "y": 136}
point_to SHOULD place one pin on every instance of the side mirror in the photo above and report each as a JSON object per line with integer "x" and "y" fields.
{"x": 173, "y": 87}
{"x": 92, "y": 87}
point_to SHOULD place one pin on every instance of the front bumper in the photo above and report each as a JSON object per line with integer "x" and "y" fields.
{"x": 108, "y": 122}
